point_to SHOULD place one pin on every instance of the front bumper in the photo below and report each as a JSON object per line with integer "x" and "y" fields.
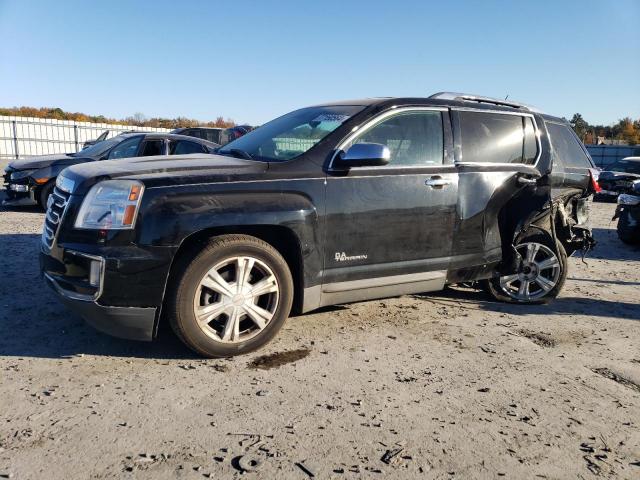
{"x": 132, "y": 323}
{"x": 116, "y": 290}
{"x": 18, "y": 195}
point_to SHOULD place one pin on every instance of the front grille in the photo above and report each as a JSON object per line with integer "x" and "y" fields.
{"x": 56, "y": 206}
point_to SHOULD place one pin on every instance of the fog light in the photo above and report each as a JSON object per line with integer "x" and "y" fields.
{"x": 95, "y": 272}
{"x": 19, "y": 188}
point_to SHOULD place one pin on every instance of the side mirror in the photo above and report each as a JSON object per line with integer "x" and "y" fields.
{"x": 365, "y": 155}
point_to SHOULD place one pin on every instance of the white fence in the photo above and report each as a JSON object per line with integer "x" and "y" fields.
{"x": 24, "y": 136}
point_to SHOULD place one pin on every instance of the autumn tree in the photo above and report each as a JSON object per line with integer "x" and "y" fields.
{"x": 138, "y": 119}
{"x": 580, "y": 126}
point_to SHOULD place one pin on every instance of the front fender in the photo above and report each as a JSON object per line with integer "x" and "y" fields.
{"x": 168, "y": 216}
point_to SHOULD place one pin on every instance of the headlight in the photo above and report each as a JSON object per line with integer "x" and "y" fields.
{"x": 20, "y": 174}
{"x": 626, "y": 199}
{"x": 110, "y": 205}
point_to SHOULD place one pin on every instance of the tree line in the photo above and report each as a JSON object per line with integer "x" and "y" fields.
{"x": 138, "y": 119}
{"x": 626, "y": 129}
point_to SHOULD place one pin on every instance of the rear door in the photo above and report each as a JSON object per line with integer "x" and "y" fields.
{"x": 498, "y": 154}
{"x": 389, "y": 229}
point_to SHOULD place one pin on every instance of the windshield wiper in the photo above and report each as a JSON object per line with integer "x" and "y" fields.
{"x": 236, "y": 152}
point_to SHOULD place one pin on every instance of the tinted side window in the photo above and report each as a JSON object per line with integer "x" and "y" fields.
{"x": 183, "y": 147}
{"x": 152, "y": 147}
{"x": 414, "y": 138}
{"x": 530, "y": 151}
{"x": 126, "y": 149}
{"x": 213, "y": 136}
{"x": 497, "y": 138}
{"x": 566, "y": 147}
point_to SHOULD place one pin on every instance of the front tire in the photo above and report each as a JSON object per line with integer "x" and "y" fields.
{"x": 45, "y": 192}
{"x": 232, "y": 297}
{"x": 541, "y": 275}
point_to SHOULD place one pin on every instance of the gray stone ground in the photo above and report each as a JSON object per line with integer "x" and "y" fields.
{"x": 442, "y": 385}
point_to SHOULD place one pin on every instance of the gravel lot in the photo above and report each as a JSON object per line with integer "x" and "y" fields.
{"x": 442, "y": 385}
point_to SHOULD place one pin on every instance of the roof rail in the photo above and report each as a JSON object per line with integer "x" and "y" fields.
{"x": 465, "y": 97}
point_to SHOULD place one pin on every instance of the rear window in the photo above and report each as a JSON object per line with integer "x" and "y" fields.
{"x": 566, "y": 147}
{"x": 497, "y": 138}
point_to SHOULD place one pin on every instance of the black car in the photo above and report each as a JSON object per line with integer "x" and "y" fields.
{"x": 212, "y": 134}
{"x": 618, "y": 177}
{"x": 325, "y": 205}
{"x": 628, "y": 214}
{"x": 101, "y": 138}
{"x": 220, "y": 136}
{"x": 31, "y": 180}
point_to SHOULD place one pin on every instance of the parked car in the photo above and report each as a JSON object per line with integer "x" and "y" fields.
{"x": 233, "y": 133}
{"x": 31, "y": 180}
{"x": 628, "y": 214}
{"x": 214, "y": 135}
{"x": 101, "y": 137}
{"x": 618, "y": 177}
{"x": 221, "y": 136}
{"x": 325, "y": 205}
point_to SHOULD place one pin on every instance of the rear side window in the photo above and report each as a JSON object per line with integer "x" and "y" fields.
{"x": 497, "y": 138}
{"x": 183, "y": 147}
{"x": 566, "y": 147}
{"x": 213, "y": 136}
{"x": 414, "y": 138}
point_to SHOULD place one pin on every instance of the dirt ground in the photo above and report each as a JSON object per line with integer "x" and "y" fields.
{"x": 442, "y": 385}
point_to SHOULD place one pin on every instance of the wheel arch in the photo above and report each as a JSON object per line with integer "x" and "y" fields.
{"x": 283, "y": 239}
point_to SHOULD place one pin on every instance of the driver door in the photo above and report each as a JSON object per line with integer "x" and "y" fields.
{"x": 389, "y": 229}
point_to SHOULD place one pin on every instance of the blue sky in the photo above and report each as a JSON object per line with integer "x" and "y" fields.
{"x": 252, "y": 60}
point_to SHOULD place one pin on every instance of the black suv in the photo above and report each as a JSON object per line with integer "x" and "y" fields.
{"x": 30, "y": 180}
{"x": 325, "y": 205}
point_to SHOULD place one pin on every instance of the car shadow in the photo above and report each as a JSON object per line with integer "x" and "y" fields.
{"x": 610, "y": 247}
{"x": 28, "y": 209}
{"x": 560, "y": 306}
{"x": 35, "y": 324}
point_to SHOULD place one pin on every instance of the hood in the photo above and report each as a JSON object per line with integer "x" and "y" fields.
{"x": 42, "y": 161}
{"x": 165, "y": 170}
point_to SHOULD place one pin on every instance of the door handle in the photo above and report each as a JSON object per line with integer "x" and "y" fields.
{"x": 437, "y": 182}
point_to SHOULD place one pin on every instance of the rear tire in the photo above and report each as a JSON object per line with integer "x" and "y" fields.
{"x": 230, "y": 298}
{"x": 629, "y": 235}
{"x": 541, "y": 276}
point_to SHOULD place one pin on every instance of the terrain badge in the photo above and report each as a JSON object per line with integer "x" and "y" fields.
{"x": 343, "y": 257}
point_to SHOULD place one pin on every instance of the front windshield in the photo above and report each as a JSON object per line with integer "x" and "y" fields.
{"x": 291, "y": 135}
{"x": 100, "y": 148}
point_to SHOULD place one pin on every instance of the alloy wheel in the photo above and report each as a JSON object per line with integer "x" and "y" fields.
{"x": 538, "y": 275}
{"x": 236, "y": 299}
